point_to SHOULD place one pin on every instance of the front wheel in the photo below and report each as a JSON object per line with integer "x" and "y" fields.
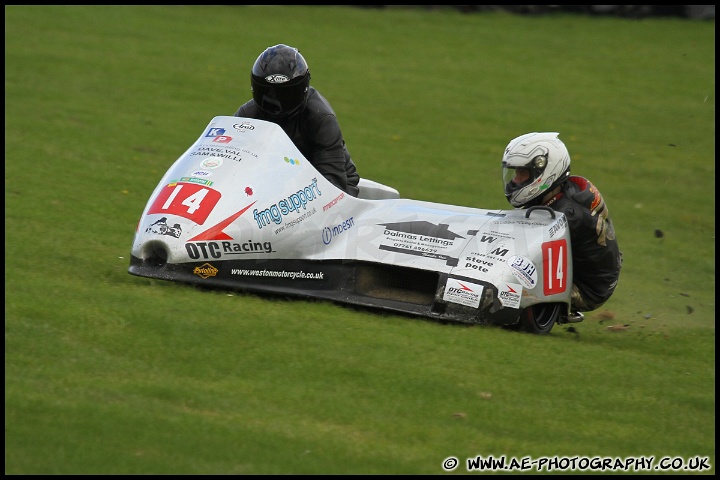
{"x": 540, "y": 318}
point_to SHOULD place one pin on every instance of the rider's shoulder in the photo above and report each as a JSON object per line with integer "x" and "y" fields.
{"x": 578, "y": 183}
{"x": 248, "y": 109}
{"x": 581, "y": 190}
{"x": 317, "y": 104}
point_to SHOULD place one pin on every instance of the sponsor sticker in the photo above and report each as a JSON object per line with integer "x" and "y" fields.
{"x": 424, "y": 239}
{"x": 243, "y": 127}
{"x": 328, "y": 233}
{"x": 215, "y": 132}
{"x": 510, "y": 294}
{"x": 524, "y": 270}
{"x": 558, "y": 228}
{"x": 200, "y": 181}
{"x": 205, "y": 271}
{"x": 211, "y": 162}
{"x": 462, "y": 292}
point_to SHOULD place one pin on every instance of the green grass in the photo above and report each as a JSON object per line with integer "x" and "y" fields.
{"x": 106, "y": 373}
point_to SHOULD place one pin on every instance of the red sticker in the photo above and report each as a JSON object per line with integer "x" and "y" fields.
{"x": 188, "y": 200}
{"x": 554, "y": 267}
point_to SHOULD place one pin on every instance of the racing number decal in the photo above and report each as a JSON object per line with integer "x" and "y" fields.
{"x": 554, "y": 267}
{"x": 188, "y": 200}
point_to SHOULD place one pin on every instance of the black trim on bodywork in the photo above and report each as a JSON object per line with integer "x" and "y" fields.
{"x": 387, "y": 287}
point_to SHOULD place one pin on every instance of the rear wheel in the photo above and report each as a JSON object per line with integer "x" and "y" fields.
{"x": 540, "y": 318}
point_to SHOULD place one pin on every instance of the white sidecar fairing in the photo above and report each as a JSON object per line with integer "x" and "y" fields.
{"x": 242, "y": 209}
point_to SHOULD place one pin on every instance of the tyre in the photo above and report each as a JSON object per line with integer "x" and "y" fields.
{"x": 540, "y": 318}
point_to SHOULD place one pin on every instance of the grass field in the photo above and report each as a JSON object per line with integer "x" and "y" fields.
{"x": 107, "y": 373}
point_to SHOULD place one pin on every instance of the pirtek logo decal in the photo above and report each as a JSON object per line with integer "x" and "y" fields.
{"x": 205, "y": 270}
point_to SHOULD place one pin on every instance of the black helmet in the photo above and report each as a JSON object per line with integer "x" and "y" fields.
{"x": 280, "y": 81}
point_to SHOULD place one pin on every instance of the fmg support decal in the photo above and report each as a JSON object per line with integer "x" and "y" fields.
{"x": 292, "y": 203}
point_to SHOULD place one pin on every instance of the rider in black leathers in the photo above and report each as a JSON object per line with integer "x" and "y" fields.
{"x": 536, "y": 171}
{"x": 596, "y": 256}
{"x": 282, "y": 94}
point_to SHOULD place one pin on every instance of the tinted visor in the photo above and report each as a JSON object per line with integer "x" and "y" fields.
{"x": 517, "y": 177}
{"x": 280, "y": 99}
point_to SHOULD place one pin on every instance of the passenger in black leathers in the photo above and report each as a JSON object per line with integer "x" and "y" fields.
{"x": 536, "y": 171}
{"x": 282, "y": 94}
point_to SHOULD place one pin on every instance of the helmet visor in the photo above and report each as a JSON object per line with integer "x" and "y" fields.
{"x": 516, "y": 177}
{"x": 279, "y": 100}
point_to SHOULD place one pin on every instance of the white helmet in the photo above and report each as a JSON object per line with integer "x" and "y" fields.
{"x": 546, "y": 163}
